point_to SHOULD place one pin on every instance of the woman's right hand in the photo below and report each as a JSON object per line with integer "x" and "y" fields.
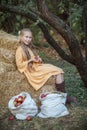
{"x": 35, "y": 59}
{"x": 31, "y": 64}
{"x": 38, "y": 59}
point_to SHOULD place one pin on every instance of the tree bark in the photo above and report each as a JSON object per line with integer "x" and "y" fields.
{"x": 85, "y": 27}
{"x": 65, "y": 31}
{"x": 61, "y": 27}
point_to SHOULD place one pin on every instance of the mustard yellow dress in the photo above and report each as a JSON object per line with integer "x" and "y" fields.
{"x": 39, "y": 73}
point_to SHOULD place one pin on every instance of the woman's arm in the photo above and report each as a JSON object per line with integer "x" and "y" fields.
{"x": 20, "y": 62}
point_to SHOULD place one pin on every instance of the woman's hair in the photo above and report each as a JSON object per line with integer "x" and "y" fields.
{"x": 21, "y": 33}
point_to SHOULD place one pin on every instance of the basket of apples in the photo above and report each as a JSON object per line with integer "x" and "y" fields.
{"x": 19, "y": 100}
{"x": 22, "y": 106}
{"x": 52, "y": 104}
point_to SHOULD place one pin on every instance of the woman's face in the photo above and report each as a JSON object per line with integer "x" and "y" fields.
{"x": 26, "y": 38}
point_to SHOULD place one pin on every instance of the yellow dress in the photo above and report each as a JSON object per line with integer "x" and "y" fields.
{"x": 38, "y": 76}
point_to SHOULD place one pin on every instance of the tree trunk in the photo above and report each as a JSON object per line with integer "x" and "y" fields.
{"x": 85, "y": 27}
{"x": 82, "y": 69}
{"x": 65, "y": 31}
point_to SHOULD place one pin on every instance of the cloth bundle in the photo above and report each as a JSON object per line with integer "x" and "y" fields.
{"x": 27, "y": 108}
{"x": 53, "y": 105}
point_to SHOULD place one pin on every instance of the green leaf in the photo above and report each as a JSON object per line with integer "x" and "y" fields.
{"x": 23, "y": 20}
{"x": 18, "y": 17}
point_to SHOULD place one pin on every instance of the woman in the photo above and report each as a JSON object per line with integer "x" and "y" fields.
{"x": 31, "y": 65}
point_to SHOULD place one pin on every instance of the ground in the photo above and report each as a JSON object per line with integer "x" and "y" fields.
{"x": 11, "y": 85}
{"x": 76, "y": 120}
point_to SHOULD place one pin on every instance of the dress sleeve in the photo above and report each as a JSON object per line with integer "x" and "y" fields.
{"x": 21, "y": 63}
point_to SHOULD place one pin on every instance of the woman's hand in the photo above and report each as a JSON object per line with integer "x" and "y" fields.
{"x": 30, "y": 64}
{"x": 35, "y": 59}
{"x": 32, "y": 60}
{"x": 38, "y": 59}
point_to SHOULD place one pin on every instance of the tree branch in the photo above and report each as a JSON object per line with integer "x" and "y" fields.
{"x": 55, "y": 45}
{"x": 34, "y": 17}
{"x": 17, "y": 10}
{"x": 62, "y": 28}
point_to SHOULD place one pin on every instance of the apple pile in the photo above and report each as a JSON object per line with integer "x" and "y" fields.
{"x": 18, "y": 101}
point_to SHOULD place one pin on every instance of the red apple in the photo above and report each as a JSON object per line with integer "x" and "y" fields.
{"x": 36, "y": 57}
{"x": 43, "y": 95}
{"x": 16, "y": 100}
{"x": 20, "y": 99}
{"x": 28, "y": 118}
{"x": 23, "y": 100}
{"x": 17, "y": 104}
{"x": 11, "y": 118}
{"x": 20, "y": 96}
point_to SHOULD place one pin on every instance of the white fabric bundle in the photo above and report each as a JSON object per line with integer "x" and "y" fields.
{"x": 53, "y": 105}
{"x": 27, "y": 108}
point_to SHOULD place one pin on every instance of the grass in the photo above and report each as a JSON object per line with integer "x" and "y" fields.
{"x": 78, "y": 111}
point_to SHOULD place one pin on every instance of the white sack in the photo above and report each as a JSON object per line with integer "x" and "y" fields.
{"x": 27, "y": 108}
{"x": 53, "y": 105}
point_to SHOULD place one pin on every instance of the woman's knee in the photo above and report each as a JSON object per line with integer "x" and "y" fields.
{"x": 60, "y": 78}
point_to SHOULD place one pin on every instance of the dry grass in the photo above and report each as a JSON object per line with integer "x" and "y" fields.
{"x": 12, "y": 83}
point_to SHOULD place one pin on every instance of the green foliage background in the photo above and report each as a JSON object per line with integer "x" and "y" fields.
{"x": 69, "y": 11}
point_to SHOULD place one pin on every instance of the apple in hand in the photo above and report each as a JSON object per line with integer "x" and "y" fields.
{"x": 37, "y": 58}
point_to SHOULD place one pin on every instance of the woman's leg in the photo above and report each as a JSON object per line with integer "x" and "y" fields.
{"x": 60, "y": 83}
{"x": 59, "y": 78}
{"x": 60, "y": 86}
